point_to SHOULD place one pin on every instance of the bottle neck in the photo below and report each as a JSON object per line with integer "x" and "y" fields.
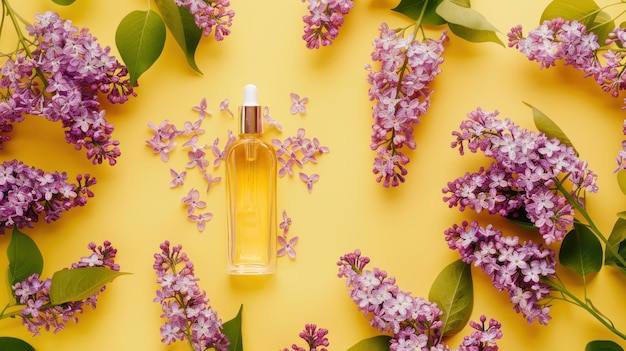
{"x": 250, "y": 120}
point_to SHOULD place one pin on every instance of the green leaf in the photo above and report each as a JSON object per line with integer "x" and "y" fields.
{"x": 25, "y": 259}
{"x": 473, "y": 35}
{"x": 621, "y": 180}
{"x": 581, "y": 251}
{"x": 14, "y": 344}
{"x": 413, "y": 9}
{"x": 182, "y": 26}
{"x": 621, "y": 215}
{"x": 545, "y": 125}
{"x": 232, "y": 330}
{"x": 140, "y": 38}
{"x": 586, "y": 12}
{"x": 456, "y": 12}
{"x": 453, "y": 292}
{"x": 63, "y": 2}
{"x": 603, "y": 345}
{"x": 80, "y": 283}
{"x": 375, "y": 343}
{"x": 614, "y": 243}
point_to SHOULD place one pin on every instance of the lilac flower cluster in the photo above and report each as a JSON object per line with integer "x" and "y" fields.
{"x": 414, "y": 322}
{"x": 523, "y": 181}
{"x": 61, "y": 79}
{"x": 322, "y": 23}
{"x": 315, "y": 339}
{"x": 400, "y": 89}
{"x": 570, "y": 42}
{"x": 189, "y": 317}
{"x": 34, "y": 293}
{"x": 513, "y": 266}
{"x": 210, "y": 15}
{"x": 297, "y": 150}
{"x": 26, "y": 193}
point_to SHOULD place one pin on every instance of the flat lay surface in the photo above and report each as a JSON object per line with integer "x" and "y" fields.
{"x": 399, "y": 228}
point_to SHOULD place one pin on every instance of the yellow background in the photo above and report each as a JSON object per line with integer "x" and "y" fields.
{"x": 399, "y": 229}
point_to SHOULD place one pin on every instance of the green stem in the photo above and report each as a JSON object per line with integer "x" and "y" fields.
{"x": 571, "y": 298}
{"x": 590, "y": 224}
{"x": 22, "y": 40}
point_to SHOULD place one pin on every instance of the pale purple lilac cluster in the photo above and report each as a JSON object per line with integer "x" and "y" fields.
{"x": 322, "y": 23}
{"x": 523, "y": 180}
{"x": 400, "y": 89}
{"x": 570, "y": 42}
{"x": 60, "y": 78}
{"x": 513, "y": 266}
{"x": 314, "y": 337}
{"x": 210, "y": 16}
{"x": 185, "y": 307}
{"x": 528, "y": 180}
{"x": 413, "y": 321}
{"x": 26, "y": 193}
{"x": 34, "y": 293}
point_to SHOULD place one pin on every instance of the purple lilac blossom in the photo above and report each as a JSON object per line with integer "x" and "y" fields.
{"x": 34, "y": 293}
{"x": 414, "y": 322}
{"x": 297, "y": 150}
{"x": 210, "y": 16}
{"x": 322, "y": 23}
{"x": 314, "y": 337}
{"x": 26, "y": 193}
{"x": 184, "y": 305}
{"x": 60, "y": 78}
{"x": 400, "y": 89}
{"x": 523, "y": 180}
{"x": 570, "y": 42}
{"x": 513, "y": 266}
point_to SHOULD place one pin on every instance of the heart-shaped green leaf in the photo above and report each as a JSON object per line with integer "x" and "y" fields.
{"x": 453, "y": 292}
{"x": 375, "y": 343}
{"x": 140, "y": 38}
{"x": 581, "y": 251}
{"x": 414, "y": 9}
{"x": 614, "y": 242}
{"x": 621, "y": 180}
{"x": 182, "y": 26}
{"x": 25, "y": 259}
{"x": 473, "y": 35}
{"x": 14, "y": 344}
{"x": 457, "y": 12}
{"x": 63, "y": 2}
{"x": 547, "y": 126}
{"x": 80, "y": 283}
{"x": 232, "y": 330}
{"x": 603, "y": 345}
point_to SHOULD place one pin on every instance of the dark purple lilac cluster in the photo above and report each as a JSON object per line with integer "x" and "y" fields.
{"x": 314, "y": 337}
{"x": 184, "y": 305}
{"x": 210, "y": 16}
{"x": 532, "y": 179}
{"x": 322, "y": 23}
{"x": 27, "y": 193}
{"x": 515, "y": 267}
{"x": 60, "y": 77}
{"x": 414, "y": 322}
{"x": 35, "y": 294}
{"x": 570, "y": 42}
{"x": 400, "y": 89}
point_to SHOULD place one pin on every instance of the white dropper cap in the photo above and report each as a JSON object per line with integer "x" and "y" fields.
{"x": 251, "y": 121}
{"x": 250, "y": 95}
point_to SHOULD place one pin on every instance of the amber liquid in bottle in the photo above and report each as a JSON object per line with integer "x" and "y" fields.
{"x": 251, "y": 180}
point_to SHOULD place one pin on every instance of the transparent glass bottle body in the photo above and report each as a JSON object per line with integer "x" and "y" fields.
{"x": 251, "y": 166}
